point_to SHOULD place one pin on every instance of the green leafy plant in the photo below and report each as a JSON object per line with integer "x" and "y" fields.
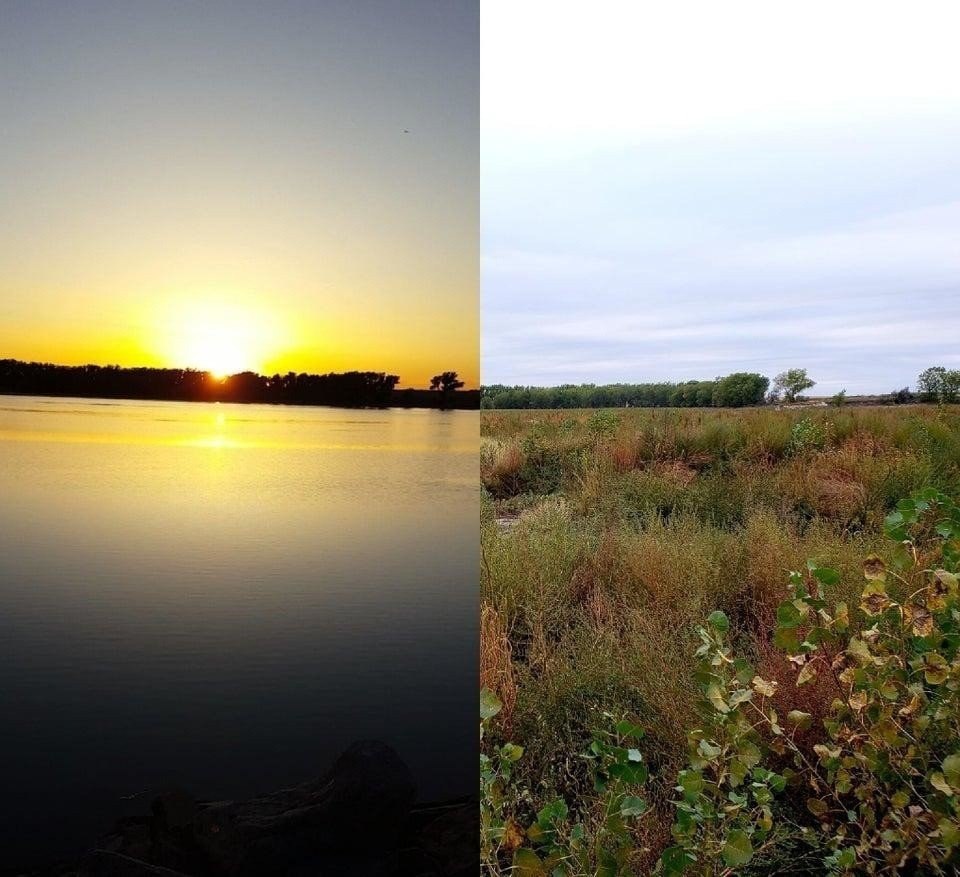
{"x": 555, "y": 844}
{"x": 603, "y": 844}
{"x": 807, "y": 435}
{"x": 604, "y": 423}
{"x": 885, "y": 787}
{"x": 498, "y": 827}
{"x": 619, "y": 773}
{"x": 724, "y": 815}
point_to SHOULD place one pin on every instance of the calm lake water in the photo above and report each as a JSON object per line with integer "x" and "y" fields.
{"x": 222, "y": 598}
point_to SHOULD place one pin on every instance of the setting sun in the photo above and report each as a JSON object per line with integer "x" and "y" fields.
{"x": 216, "y": 349}
{"x": 222, "y": 338}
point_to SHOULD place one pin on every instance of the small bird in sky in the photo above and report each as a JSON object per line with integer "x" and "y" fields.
{"x": 405, "y": 131}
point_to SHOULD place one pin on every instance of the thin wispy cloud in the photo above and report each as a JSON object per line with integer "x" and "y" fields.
{"x": 747, "y": 199}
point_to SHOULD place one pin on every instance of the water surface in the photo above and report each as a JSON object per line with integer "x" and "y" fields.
{"x": 222, "y": 598}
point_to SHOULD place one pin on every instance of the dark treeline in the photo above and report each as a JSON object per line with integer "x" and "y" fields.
{"x": 461, "y": 399}
{"x": 350, "y": 389}
{"x": 732, "y": 391}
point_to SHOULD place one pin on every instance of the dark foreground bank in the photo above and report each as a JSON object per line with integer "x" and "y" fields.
{"x": 358, "y": 819}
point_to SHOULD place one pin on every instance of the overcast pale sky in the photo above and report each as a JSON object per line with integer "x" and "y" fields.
{"x": 676, "y": 191}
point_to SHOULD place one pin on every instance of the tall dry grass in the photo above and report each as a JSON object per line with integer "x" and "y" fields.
{"x": 496, "y": 662}
{"x": 621, "y": 541}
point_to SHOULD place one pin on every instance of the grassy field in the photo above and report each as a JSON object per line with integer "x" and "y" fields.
{"x": 608, "y": 536}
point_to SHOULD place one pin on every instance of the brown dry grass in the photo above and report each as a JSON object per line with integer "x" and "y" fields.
{"x": 624, "y": 452}
{"x": 678, "y": 472}
{"x": 591, "y": 599}
{"x": 496, "y": 663}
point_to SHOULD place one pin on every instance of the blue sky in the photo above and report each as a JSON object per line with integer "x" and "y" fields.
{"x": 676, "y": 191}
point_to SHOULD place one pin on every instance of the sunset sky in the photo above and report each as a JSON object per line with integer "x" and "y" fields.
{"x": 229, "y": 185}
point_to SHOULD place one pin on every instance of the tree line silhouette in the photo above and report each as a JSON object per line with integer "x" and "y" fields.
{"x": 736, "y": 390}
{"x": 935, "y": 384}
{"x": 354, "y": 389}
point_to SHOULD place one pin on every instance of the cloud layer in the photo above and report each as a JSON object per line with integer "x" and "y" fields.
{"x": 822, "y": 231}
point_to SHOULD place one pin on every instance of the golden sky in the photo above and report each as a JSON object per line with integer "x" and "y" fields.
{"x": 238, "y": 192}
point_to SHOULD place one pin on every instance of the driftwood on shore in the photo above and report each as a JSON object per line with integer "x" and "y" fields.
{"x": 358, "y": 819}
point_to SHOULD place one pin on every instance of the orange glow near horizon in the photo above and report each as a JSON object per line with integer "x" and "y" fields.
{"x": 229, "y": 333}
{"x": 275, "y": 192}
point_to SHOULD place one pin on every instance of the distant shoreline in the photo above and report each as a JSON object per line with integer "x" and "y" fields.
{"x": 353, "y": 389}
{"x": 464, "y": 400}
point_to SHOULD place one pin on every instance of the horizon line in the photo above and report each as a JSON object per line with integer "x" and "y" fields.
{"x": 225, "y": 377}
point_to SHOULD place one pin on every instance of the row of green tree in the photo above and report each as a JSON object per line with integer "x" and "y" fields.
{"x": 732, "y": 391}
{"x": 935, "y": 384}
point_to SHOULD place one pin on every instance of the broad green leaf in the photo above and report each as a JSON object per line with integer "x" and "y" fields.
{"x": 738, "y": 850}
{"x": 489, "y": 704}
{"x": 786, "y": 638}
{"x": 718, "y": 621}
{"x": 738, "y": 772}
{"x": 626, "y": 728}
{"x": 708, "y": 750}
{"x": 894, "y": 520}
{"x": 554, "y": 812}
{"x": 743, "y": 670}
{"x": 939, "y": 782}
{"x": 526, "y": 863}
{"x": 788, "y": 615}
{"x": 691, "y": 784}
{"x": 630, "y": 772}
{"x": 632, "y": 806}
{"x": 716, "y": 699}
{"x": 951, "y": 769}
{"x": 676, "y": 860}
{"x": 936, "y": 669}
{"x": 860, "y": 651}
{"x": 846, "y": 858}
{"x": 826, "y": 576}
{"x": 748, "y": 753}
{"x": 950, "y": 832}
{"x": 511, "y": 752}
